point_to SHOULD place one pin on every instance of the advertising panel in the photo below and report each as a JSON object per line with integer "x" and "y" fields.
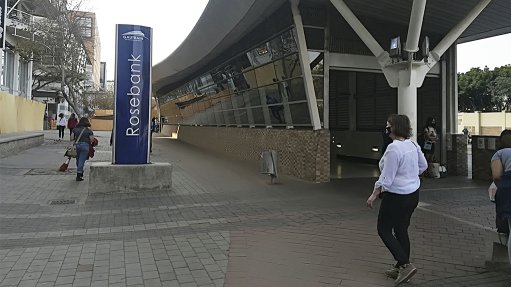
{"x": 132, "y": 95}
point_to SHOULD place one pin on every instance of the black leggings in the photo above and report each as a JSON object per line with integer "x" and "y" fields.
{"x": 61, "y": 131}
{"x": 393, "y": 221}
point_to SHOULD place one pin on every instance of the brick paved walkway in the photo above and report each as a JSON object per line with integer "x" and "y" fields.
{"x": 222, "y": 224}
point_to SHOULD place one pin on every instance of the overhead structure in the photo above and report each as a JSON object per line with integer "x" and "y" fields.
{"x": 315, "y": 78}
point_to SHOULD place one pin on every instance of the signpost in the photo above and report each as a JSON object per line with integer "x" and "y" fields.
{"x": 132, "y": 95}
{"x": 3, "y": 17}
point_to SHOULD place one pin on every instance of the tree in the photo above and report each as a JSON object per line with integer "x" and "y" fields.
{"x": 473, "y": 90}
{"x": 57, "y": 50}
{"x": 485, "y": 90}
{"x": 99, "y": 100}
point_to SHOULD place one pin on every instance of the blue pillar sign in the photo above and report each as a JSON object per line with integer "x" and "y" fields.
{"x": 132, "y": 95}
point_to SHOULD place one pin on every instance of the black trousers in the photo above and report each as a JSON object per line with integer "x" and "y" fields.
{"x": 393, "y": 221}
{"x": 61, "y": 131}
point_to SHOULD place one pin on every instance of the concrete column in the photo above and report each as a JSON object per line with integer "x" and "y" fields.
{"x": 407, "y": 101}
{"x": 306, "y": 70}
{"x": 15, "y": 76}
{"x": 326, "y": 77}
{"x": 443, "y": 138}
{"x": 29, "y": 80}
{"x": 451, "y": 78}
{"x": 353, "y": 101}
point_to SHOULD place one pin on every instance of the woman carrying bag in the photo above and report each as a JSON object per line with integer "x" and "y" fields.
{"x": 83, "y": 136}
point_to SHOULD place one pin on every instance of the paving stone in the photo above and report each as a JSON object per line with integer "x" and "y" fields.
{"x": 209, "y": 231}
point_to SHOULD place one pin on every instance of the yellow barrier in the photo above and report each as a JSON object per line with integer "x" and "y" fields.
{"x": 101, "y": 125}
{"x": 18, "y": 114}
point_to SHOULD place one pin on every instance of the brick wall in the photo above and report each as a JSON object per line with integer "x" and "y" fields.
{"x": 301, "y": 153}
{"x": 483, "y": 148}
{"x": 457, "y": 161}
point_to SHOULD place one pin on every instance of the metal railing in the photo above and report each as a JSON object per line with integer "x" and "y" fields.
{"x": 21, "y": 17}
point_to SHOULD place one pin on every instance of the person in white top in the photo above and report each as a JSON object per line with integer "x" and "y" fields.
{"x": 398, "y": 186}
{"x": 61, "y": 125}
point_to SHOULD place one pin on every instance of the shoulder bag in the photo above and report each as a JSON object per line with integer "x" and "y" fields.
{"x": 71, "y": 150}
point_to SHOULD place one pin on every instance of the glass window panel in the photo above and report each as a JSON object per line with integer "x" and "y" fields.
{"x": 277, "y": 47}
{"x": 288, "y": 67}
{"x": 226, "y": 103}
{"x": 229, "y": 117}
{"x": 258, "y": 116}
{"x": 219, "y": 117}
{"x": 316, "y": 62}
{"x": 288, "y": 42}
{"x": 239, "y": 101}
{"x": 211, "y": 115}
{"x": 319, "y": 84}
{"x": 300, "y": 114}
{"x": 265, "y": 75}
{"x": 274, "y": 103}
{"x": 296, "y": 90}
{"x": 255, "y": 98}
{"x": 240, "y": 63}
{"x": 250, "y": 78}
{"x": 240, "y": 83}
{"x": 243, "y": 116}
{"x": 260, "y": 55}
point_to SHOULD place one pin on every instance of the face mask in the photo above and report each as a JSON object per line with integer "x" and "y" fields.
{"x": 387, "y": 130}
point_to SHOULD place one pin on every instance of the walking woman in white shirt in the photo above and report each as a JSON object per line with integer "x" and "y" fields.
{"x": 398, "y": 185}
{"x": 61, "y": 125}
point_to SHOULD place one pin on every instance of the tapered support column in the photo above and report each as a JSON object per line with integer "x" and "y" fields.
{"x": 407, "y": 102}
{"x": 304, "y": 61}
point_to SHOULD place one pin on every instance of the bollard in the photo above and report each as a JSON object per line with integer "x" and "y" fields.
{"x": 269, "y": 164}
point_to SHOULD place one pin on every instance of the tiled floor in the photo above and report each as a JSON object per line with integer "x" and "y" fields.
{"x": 222, "y": 224}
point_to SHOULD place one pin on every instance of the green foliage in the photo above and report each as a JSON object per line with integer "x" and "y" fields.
{"x": 485, "y": 90}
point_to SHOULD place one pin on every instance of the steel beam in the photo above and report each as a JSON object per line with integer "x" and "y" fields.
{"x": 414, "y": 28}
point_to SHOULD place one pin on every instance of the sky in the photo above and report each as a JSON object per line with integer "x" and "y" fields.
{"x": 173, "y": 21}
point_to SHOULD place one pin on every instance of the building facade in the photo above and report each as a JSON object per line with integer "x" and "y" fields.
{"x": 18, "y": 112}
{"x": 303, "y": 81}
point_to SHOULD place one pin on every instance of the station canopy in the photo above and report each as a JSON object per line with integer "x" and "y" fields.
{"x": 224, "y": 22}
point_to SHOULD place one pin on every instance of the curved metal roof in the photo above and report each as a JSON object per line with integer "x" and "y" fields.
{"x": 224, "y": 22}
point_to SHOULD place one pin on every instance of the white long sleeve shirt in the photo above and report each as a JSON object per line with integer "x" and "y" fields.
{"x": 61, "y": 121}
{"x": 400, "y": 167}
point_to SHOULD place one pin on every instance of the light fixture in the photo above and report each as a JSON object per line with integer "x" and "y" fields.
{"x": 375, "y": 149}
{"x": 339, "y": 145}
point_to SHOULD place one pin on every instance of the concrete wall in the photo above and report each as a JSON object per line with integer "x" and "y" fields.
{"x": 170, "y": 130}
{"x": 18, "y": 143}
{"x": 491, "y": 124}
{"x": 18, "y": 114}
{"x": 483, "y": 148}
{"x": 302, "y": 153}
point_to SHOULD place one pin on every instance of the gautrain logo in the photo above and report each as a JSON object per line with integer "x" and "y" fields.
{"x": 134, "y": 36}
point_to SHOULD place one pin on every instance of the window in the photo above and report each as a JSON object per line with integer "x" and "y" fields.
{"x": 85, "y": 26}
{"x": 261, "y": 86}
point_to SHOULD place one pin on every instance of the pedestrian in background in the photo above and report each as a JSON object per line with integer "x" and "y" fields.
{"x": 398, "y": 186}
{"x": 61, "y": 125}
{"x": 427, "y": 140}
{"x": 386, "y": 138}
{"x": 501, "y": 173}
{"x": 84, "y": 137}
{"x": 71, "y": 124}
